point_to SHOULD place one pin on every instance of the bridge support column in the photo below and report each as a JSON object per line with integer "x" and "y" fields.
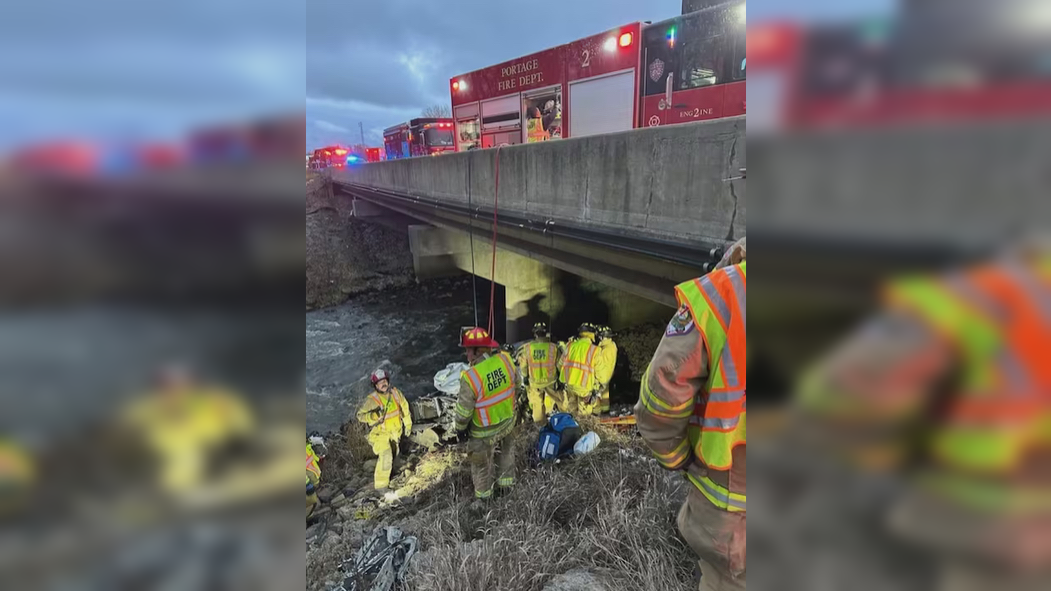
{"x": 435, "y": 251}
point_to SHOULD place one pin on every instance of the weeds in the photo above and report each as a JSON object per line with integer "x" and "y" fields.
{"x": 609, "y": 513}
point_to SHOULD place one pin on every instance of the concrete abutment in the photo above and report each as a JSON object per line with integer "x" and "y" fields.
{"x": 533, "y": 291}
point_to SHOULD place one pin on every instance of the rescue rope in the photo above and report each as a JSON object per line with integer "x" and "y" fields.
{"x": 492, "y": 272}
{"x": 470, "y": 232}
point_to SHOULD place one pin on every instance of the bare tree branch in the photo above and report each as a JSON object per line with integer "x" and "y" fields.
{"x": 436, "y": 111}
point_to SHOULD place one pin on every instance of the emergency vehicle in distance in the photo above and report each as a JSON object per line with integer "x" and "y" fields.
{"x": 419, "y": 137}
{"x": 687, "y": 68}
{"x": 333, "y": 157}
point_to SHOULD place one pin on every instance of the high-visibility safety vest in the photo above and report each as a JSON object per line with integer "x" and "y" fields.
{"x": 998, "y": 318}
{"x": 540, "y": 361}
{"x": 313, "y": 465}
{"x": 493, "y": 384}
{"x": 717, "y": 425}
{"x": 389, "y": 406}
{"x": 535, "y": 131}
{"x": 578, "y": 369}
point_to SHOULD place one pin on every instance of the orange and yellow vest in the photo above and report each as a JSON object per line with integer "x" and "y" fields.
{"x": 999, "y": 320}
{"x": 540, "y": 361}
{"x": 578, "y": 370}
{"x": 493, "y": 384}
{"x": 313, "y": 465}
{"x": 717, "y": 425}
{"x": 391, "y": 420}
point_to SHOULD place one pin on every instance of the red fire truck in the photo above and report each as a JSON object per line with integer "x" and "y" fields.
{"x": 330, "y": 157}
{"x": 419, "y": 137}
{"x": 903, "y": 71}
{"x": 688, "y": 68}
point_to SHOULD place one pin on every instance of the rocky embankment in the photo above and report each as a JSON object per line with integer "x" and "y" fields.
{"x": 346, "y": 256}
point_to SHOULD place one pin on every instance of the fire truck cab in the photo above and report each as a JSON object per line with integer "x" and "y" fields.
{"x": 426, "y": 136}
{"x": 688, "y": 68}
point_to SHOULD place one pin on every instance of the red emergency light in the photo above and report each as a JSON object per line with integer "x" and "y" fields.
{"x": 456, "y": 85}
{"x": 625, "y": 40}
{"x": 340, "y": 152}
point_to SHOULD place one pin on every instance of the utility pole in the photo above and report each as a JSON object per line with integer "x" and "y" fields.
{"x": 361, "y": 128}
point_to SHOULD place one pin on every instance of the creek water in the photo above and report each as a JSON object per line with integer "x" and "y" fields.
{"x": 412, "y": 333}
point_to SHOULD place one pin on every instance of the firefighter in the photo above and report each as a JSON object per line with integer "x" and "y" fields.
{"x": 17, "y": 478}
{"x": 313, "y": 474}
{"x": 537, "y": 361}
{"x": 605, "y": 364}
{"x": 691, "y": 413}
{"x": 964, "y": 356}
{"x": 577, "y": 372}
{"x": 185, "y": 423}
{"x": 485, "y": 409}
{"x": 386, "y": 412}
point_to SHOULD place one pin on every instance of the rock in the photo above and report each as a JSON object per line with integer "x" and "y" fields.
{"x": 577, "y": 580}
{"x": 340, "y": 499}
{"x": 336, "y": 528}
{"x": 325, "y": 494}
{"x": 346, "y": 512}
{"x": 331, "y": 541}
{"x": 369, "y": 465}
{"x": 314, "y": 531}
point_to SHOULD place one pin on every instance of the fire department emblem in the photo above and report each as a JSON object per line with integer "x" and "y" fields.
{"x": 655, "y": 121}
{"x": 656, "y": 70}
{"x": 662, "y": 105}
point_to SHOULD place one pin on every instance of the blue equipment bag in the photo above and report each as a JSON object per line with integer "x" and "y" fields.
{"x": 557, "y": 437}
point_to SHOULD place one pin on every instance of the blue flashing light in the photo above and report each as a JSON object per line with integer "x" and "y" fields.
{"x": 352, "y": 158}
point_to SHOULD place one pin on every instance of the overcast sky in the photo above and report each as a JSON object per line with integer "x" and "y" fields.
{"x": 142, "y": 68}
{"x": 104, "y": 68}
{"x": 381, "y": 62}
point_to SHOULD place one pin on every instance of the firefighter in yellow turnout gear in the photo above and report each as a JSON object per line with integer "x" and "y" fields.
{"x": 313, "y": 475}
{"x": 537, "y": 361}
{"x": 386, "y": 412}
{"x": 184, "y": 422}
{"x": 17, "y": 478}
{"x": 605, "y": 364}
{"x": 486, "y": 407}
{"x": 577, "y": 373}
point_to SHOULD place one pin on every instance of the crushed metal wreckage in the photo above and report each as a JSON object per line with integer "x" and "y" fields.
{"x": 380, "y": 563}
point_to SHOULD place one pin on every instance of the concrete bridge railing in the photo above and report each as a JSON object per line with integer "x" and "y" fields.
{"x": 667, "y": 183}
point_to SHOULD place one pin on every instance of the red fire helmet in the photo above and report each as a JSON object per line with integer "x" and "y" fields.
{"x": 477, "y": 337}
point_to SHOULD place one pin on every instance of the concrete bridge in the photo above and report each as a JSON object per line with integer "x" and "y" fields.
{"x": 628, "y": 214}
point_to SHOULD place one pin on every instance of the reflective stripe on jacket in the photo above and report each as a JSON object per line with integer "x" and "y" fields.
{"x": 578, "y": 369}
{"x": 605, "y": 361}
{"x": 998, "y": 319}
{"x": 717, "y": 302}
{"x": 313, "y": 465}
{"x": 540, "y": 357}
{"x": 487, "y": 402}
{"x": 394, "y": 412}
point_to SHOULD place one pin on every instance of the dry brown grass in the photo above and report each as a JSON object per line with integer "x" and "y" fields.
{"x": 611, "y": 512}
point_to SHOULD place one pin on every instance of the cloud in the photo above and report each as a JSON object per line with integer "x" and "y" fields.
{"x": 384, "y": 62}
{"x": 329, "y": 126}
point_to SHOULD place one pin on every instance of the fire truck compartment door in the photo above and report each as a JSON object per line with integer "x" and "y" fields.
{"x": 602, "y": 105}
{"x": 501, "y": 106}
{"x": 466, "y": 111}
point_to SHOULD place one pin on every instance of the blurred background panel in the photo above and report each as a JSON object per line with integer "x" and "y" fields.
{"x": 888, "y": 141}
{"x": 150, "y": 226}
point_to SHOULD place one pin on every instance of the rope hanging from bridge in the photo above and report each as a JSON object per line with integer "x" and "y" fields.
{"x": 492, "y": 272}
{"x": 470, "y": 233}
